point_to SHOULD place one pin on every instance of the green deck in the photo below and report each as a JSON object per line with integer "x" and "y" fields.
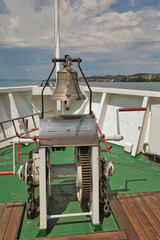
{"x": 126, "y": 179}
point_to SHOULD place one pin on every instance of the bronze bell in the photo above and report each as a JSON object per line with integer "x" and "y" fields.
{"x": 67, "y": 87}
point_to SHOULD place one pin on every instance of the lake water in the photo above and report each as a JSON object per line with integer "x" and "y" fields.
{"x": 12, "y": 83}
{"x": 155, "y": 86}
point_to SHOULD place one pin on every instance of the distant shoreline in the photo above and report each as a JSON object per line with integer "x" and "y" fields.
{"x": 138, "y": 77}
{"x": 11, "y": 80}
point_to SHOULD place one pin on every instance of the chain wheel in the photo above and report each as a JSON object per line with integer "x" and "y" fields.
{"x": 84, "y": 162}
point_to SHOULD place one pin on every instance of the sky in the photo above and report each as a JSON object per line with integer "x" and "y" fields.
{"x": 111, "y": 36}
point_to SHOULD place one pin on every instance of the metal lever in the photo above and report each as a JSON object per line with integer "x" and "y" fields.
{"x": 102, "y": 136}
{"x": 34, "y": 138}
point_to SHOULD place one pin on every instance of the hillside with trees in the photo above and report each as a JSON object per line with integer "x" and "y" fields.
{"x": 138, "y": 77}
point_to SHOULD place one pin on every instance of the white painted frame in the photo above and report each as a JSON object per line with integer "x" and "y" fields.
{"x": 95, "y": 185}
{"x": 43, "y": 189}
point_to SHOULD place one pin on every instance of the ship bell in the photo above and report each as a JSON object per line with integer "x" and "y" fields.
{"x": 67, "y": 87}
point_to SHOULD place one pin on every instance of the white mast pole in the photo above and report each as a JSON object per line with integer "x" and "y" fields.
{"x": 57, "y": 46}
{"x": 57, "y": 33}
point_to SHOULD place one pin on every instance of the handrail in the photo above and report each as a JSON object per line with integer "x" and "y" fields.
{"x": 14, "y": 164}
{"x": 131, "y": 109}
{"x": 6, "y": 173}
{"x": 14, "y": 126}
{"x": 13, "y": 119}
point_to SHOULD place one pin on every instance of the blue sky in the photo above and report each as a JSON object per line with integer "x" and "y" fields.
{"x": 112, "y": 36}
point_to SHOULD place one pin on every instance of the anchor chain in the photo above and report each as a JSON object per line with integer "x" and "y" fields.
{"x": 31, "y": 199}
{"x": 104, "y": 200}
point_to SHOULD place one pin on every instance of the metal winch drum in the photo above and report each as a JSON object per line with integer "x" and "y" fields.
{"x": 68, "y": 130}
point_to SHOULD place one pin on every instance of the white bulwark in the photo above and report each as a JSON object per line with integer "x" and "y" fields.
{"x": 135, "y": 127}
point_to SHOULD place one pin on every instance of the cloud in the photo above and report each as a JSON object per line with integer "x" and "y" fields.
{"x": 32, "y": 70}
{"x": 20, "y": 63}
{"x": 90, "y": 29}
{"x": 34, "y": 27}
{"x": 38, "y": 5}
{"x": 113, "y": 33}
{"x": 85, "y": 25}
{"x": 3, "y": 8}
{"x": 132, "y": 2}
{"x": 24, "y": 26}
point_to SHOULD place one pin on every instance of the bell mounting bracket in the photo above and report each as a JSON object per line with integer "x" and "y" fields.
{"x": 66, "y": 59}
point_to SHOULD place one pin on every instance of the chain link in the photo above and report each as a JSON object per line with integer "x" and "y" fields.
{"x": 31, "y": 200}
{"x": 104, "y": 200}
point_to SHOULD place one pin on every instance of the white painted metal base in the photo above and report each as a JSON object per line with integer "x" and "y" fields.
{"x": 42, "y": 189}
{"x": 69, "y": 215}
{"x": 94, "y": 205}
{"x": 95, "y": 185}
